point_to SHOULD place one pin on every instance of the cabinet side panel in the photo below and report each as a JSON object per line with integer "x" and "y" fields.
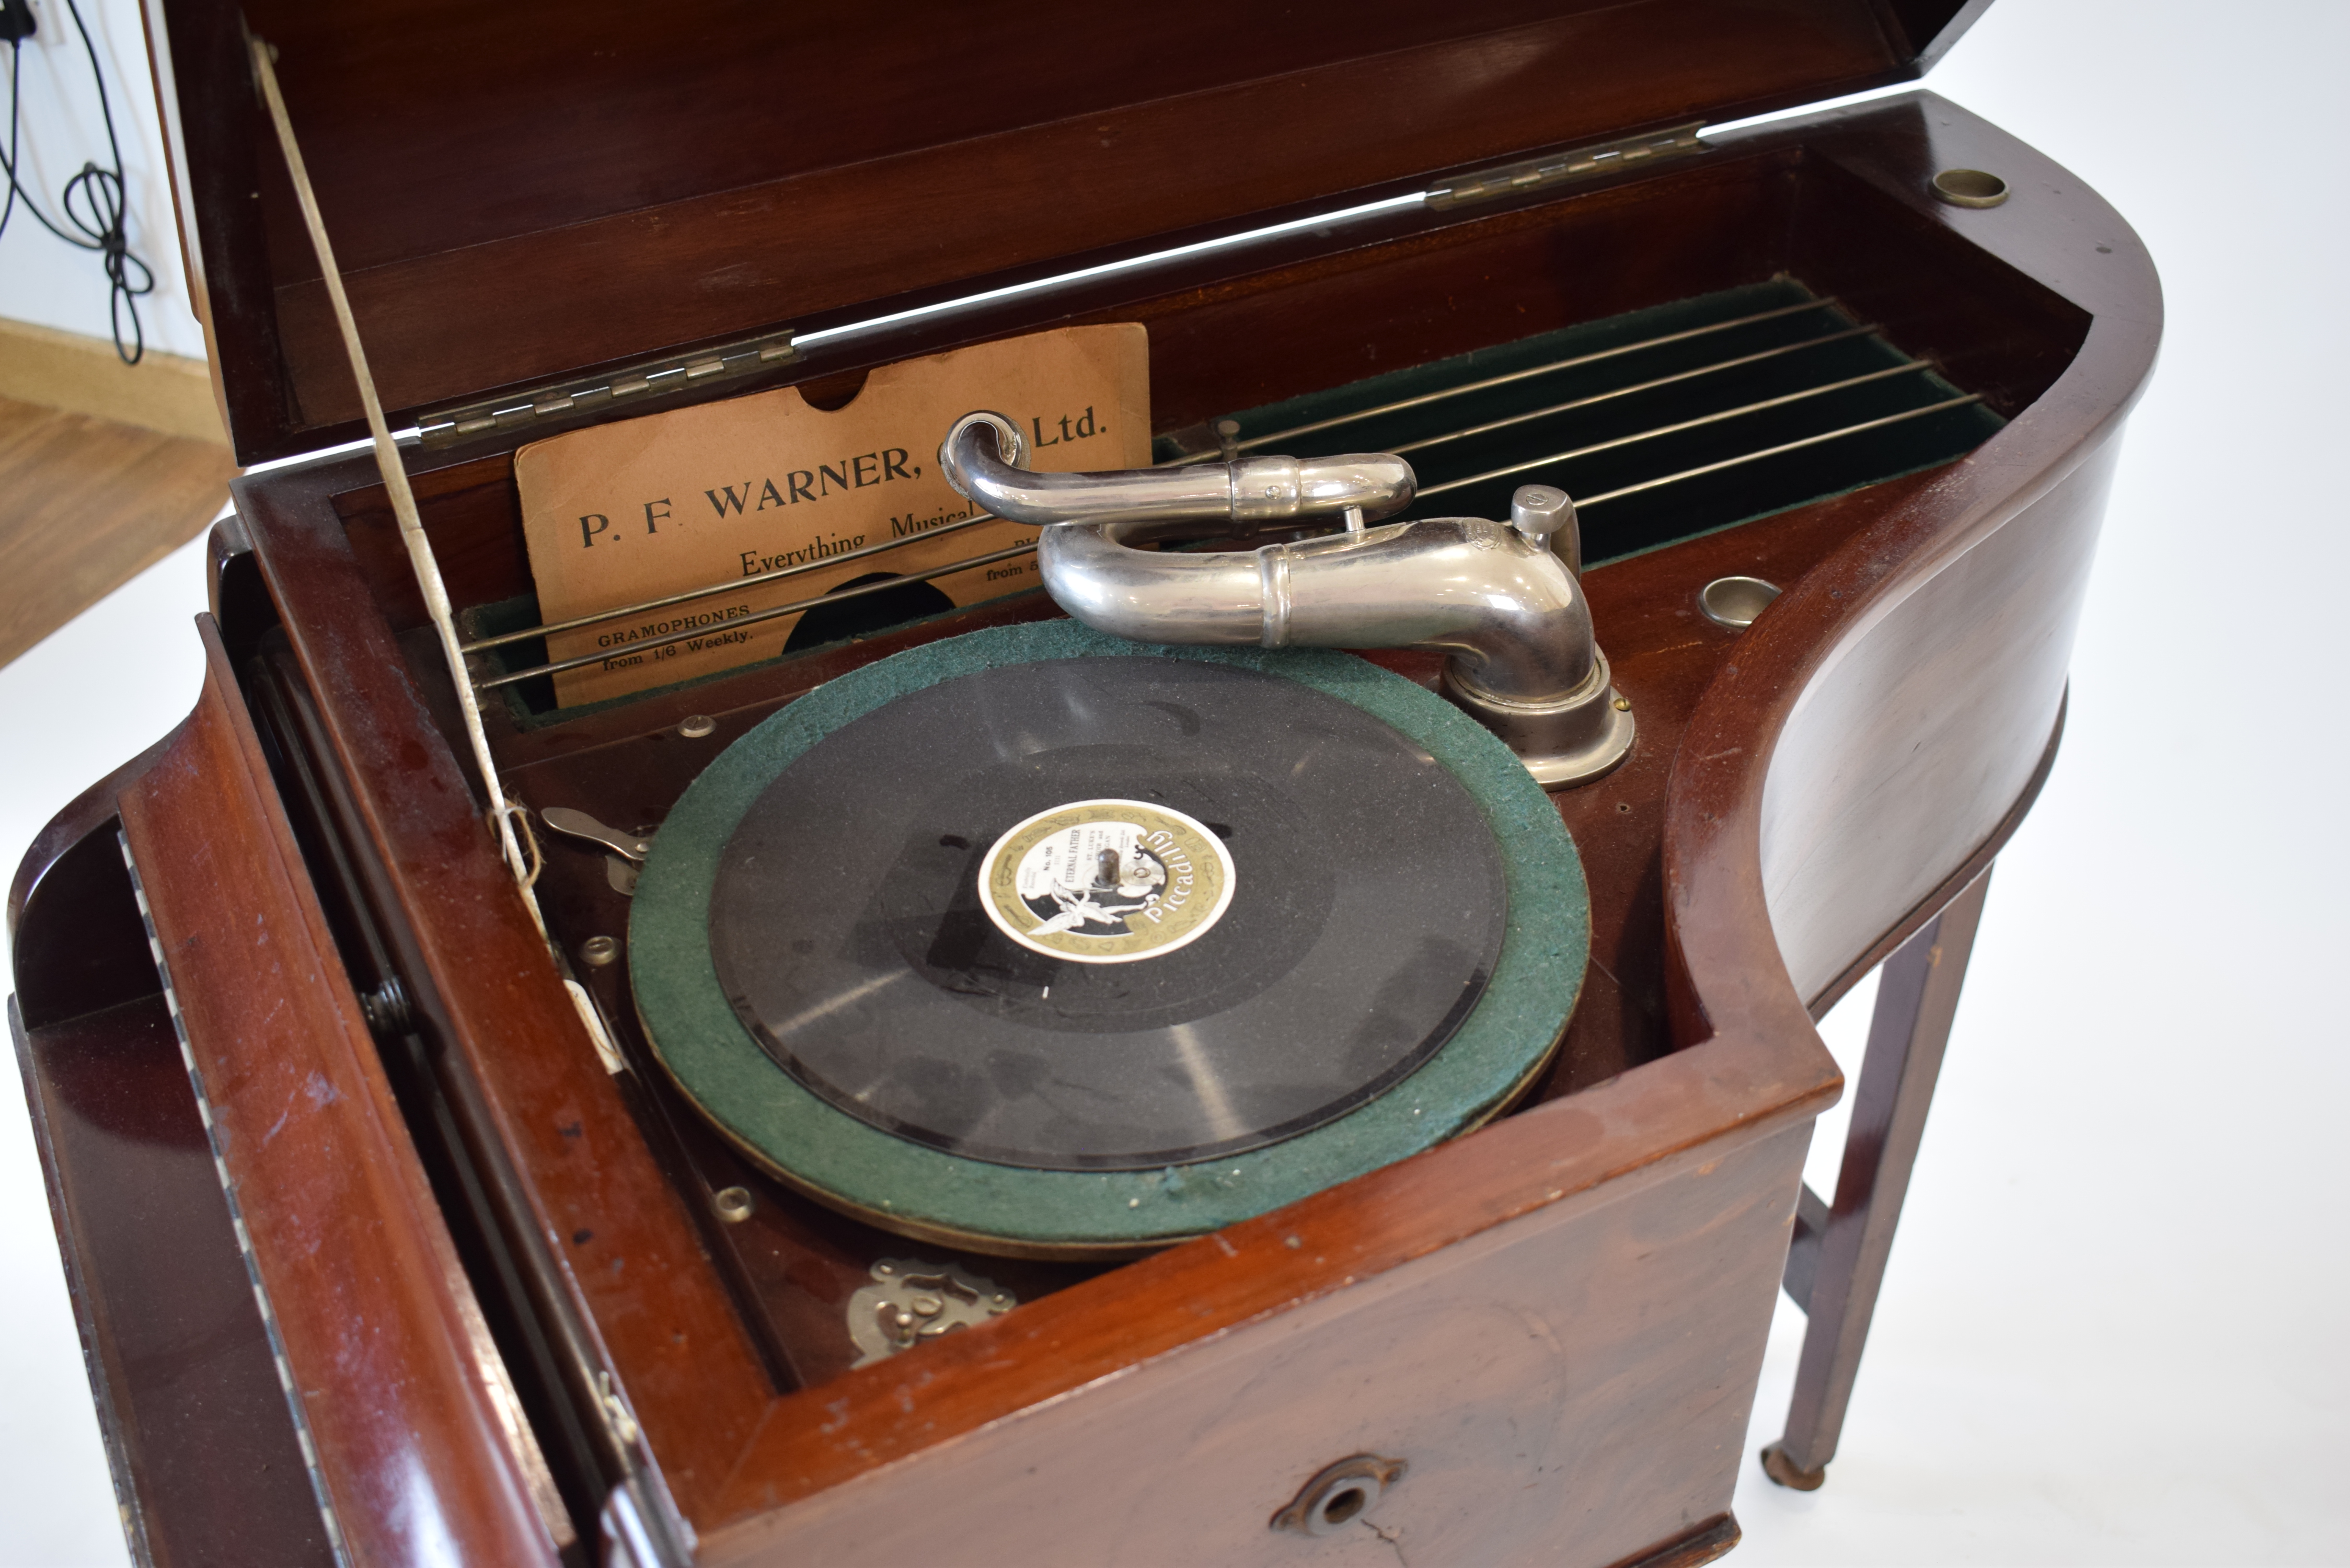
{"x": 1571, "y": 1389}
{"x": 1915, "y": 740}
{"x": 354, "y": 1273}
{"x": 206, "y": 1468}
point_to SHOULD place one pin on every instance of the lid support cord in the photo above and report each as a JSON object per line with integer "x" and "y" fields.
{"x": 502, "y": 811}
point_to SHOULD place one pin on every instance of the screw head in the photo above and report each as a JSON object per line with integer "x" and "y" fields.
{"x": 698, "y": 727}
{"x": 1538, "y": 511}
{"x": 734, "y": 1204}
{"x": 598, "y": 951}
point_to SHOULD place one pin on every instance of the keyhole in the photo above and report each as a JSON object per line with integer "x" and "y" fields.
{"x": 1339, "y": 1495}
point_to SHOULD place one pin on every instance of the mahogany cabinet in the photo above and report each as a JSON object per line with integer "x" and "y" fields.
{"x": 503, "y": 1315}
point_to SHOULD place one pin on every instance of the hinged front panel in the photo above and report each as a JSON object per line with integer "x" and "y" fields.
{"x": 522, "y": 194}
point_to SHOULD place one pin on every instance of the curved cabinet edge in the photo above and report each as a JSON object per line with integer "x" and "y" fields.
{"x": 1951, "y": 886}
{"x": 389, "y": 1372}
{"x": 1885, "y": 719}
{"x": 1915, "y": 741}
{"x": 76, "y": 943}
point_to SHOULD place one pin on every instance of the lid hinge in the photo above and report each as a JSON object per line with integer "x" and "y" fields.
{"x": 1563, "y": 168}
{"x": 637, "y": 384}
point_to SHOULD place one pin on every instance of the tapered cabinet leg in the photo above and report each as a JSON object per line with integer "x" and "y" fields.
{"x": 1837, "y": 1260}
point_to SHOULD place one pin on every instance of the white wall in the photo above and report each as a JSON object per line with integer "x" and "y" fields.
{"x": 42, "y": 279}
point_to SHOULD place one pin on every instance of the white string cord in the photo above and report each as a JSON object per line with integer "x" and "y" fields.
{"x": 403, "y": 500}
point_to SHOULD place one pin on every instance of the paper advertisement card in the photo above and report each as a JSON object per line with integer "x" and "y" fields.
{"x": 728, "y": 492}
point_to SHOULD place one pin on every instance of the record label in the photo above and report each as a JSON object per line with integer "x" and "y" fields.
{"x": 1106, "y": 881}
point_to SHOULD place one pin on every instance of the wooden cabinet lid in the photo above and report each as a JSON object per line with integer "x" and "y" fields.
{"x": 521, "y": 193}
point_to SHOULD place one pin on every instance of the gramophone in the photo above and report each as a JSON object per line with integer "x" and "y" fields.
{"x": 1617, "y": 581}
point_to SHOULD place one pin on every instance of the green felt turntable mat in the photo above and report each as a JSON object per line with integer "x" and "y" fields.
{"x": 921, "y": 1190}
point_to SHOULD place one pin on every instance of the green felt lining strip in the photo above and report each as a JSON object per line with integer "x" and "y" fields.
{"x": 928, "y": 1192}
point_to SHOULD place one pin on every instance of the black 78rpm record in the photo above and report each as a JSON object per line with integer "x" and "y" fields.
{"x": 1046, "y": 942}
{"x": 1142, "y": 912}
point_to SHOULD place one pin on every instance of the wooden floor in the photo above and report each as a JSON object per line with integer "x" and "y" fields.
{"x": 85, "y": 505}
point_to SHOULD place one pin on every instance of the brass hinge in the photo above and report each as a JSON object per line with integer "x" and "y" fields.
{"x": 1559, "y": 168}
{"x": 638, "y": 383}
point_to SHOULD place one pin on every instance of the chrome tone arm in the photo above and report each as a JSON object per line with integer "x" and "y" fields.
{"x": 1249, "y": 495}
{"x": 1498, "y": 601}
{"x": 1503, "y": 606}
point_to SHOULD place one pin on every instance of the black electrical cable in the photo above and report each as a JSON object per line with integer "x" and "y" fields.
{"x": 100, "y": 194}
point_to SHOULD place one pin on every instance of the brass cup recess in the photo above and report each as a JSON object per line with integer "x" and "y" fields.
{"x": 1970, "y": 188}
{"x": 1734, "y": 602}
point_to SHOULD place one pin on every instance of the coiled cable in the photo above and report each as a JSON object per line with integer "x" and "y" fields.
{"x": 92, "y": 201}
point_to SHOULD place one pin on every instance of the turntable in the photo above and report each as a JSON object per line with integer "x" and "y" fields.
{"x": 1290, "y": 1044}
{"x": 1023, "y": 1009}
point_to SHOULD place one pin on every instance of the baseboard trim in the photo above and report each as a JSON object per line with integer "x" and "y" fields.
{"x": 164, "y": 392}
